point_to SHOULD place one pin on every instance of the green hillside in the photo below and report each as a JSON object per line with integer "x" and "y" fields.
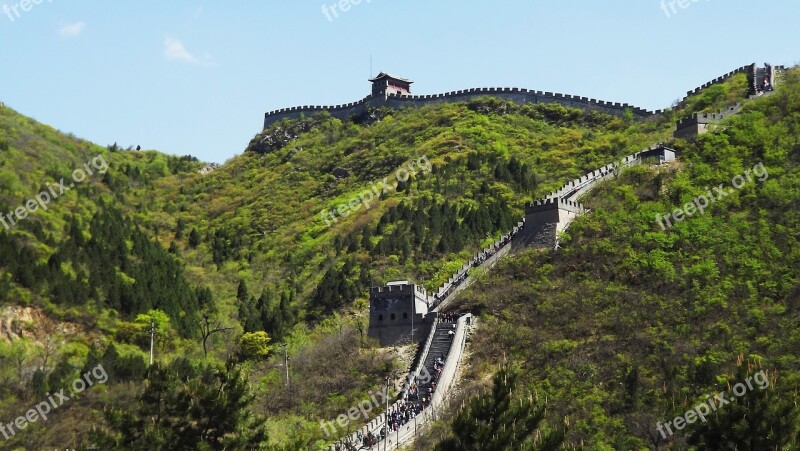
{"x": 244, "y": 249}
{"x": 629, "y": 325}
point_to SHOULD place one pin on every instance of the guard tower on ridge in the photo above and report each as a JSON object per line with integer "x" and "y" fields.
{"x": 385, "y": 84}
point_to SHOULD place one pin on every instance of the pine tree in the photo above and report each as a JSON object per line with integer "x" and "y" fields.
{"x": 249, "y": 314}
{"x": 502, "y": 420}
{"x": 179, "y": 228}
{"x": 187, "y": 407}
{"x": 763, "y": 418}
{"x": 285, "y": 314}
{"x": 194, "y": 238}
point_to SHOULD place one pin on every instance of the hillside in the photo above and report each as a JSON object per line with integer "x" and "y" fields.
{"x": 247, "y": 247}
{"x": 630, "y": 324}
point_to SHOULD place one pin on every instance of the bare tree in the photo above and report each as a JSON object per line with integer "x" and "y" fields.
{"x": 49, "y": 348}
{"x": 209, "y": 326}
{"x": 47, "y": 351}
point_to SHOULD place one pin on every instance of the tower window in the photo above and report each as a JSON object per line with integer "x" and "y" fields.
{"x": 405, "y": 315}
{"x": 392, "y": 316}
{"x": 380, "y": 317}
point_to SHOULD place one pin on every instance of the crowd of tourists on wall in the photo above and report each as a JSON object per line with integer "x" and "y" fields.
{"x": 415, "y": 398}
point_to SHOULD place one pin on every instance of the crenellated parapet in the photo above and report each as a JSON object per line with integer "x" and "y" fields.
{"x": 402, "y": 98}
{"x": 749, "y": 70}
{"x": 555, "y": 204}
{"x": 548, "y": 216}
{"x": 519, "y": 95}
{"x": 699, "y": 123}
{"x": 576, "y": 188}
{"x": 343, "y": 112}
{"x": 396, "y": 309}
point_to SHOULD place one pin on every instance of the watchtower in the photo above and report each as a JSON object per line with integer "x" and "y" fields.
{"x": 385, "y": 84}
{"x": 395, "y": 309}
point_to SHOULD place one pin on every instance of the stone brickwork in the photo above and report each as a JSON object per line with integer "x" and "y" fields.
{"x": 522, "y": 96}
{"x": 519, "y": 95}
{"x": 397, "y": 308}
{"x": 699, "y": 123}
{"x": 547, "y": 217}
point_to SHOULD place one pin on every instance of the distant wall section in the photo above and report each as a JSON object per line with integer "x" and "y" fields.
{"x": 343, "y": 112}
{"x": 517, "y": 95}
{"x": 349, "y": 110}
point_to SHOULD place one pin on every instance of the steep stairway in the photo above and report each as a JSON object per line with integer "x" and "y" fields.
{"x": 440, "y": 347}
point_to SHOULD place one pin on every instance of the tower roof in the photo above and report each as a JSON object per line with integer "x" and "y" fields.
{"x": 383, "y": 75}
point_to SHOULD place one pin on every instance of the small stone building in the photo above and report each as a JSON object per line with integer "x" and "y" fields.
{"x": 396, "y": 309}
{"x": 385, "y": 84}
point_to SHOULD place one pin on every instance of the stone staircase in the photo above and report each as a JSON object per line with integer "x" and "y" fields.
{"x": 440, "y": 347}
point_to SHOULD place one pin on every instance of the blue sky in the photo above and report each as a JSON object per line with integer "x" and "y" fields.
{"x": 196, "y": 77}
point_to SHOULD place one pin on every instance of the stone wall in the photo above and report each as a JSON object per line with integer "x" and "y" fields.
{"x": 546, "y": 217}
{"x": 698, "y": 123}
{"x": 749, "y": 70}
{"x": 518, "y": 95}
{"x": 460, "y": 279}
{"x": 343, "y": 112}
{"x": 404, "y": 307}
{"x": 349, "y": 110}
{"x": 447, "y": 379}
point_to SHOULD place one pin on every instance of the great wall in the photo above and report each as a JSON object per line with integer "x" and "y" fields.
{"x": 544, "y": 220}
{"x": 402, "y": 98}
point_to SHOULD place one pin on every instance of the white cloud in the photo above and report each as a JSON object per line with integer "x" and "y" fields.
{"x": 174, "y": 50}
{"x": 73, "y": 29}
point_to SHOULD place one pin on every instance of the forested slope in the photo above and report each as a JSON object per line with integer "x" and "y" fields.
{"x": 244, "y": 249}
{"x": 630, "y": 324}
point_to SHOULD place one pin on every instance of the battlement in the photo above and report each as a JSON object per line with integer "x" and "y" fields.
{"x": 577, "y": 187}
{"x": 342, "y": 112}
{"x": 519, "y": 95}
{"x": 554, "y": 204}
{"x": 699, "y": 123}
{"x": 398, "y": 288}
{"x": 707, "y": 118}
{"x": 750, "y": 68}
{"x": 401, "y": 97}
{"x": 397, "y": 308}
{"x": 658, "y": 152}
